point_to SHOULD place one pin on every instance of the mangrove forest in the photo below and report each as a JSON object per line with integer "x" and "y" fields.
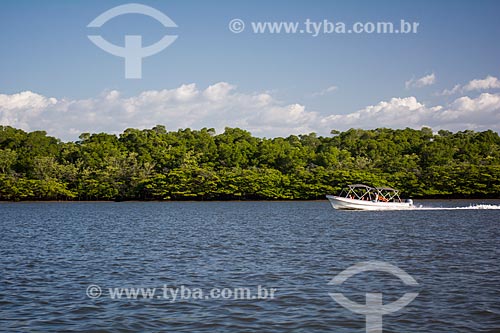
{"x": 156, "y": 164}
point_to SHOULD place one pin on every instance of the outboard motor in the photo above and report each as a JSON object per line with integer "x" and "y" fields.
{"x": 410, "y": 201}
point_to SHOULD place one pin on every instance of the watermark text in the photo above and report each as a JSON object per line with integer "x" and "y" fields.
{"x": 324, "y": 27}
{"x": 181, "y": 293}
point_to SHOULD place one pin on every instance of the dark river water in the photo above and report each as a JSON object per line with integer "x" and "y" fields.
{"x": 63, "y": 266}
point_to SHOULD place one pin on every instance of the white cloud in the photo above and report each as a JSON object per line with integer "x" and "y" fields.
{"x": 25, "y": 99}
{"x": 396, "y": 113}
{"x": 457, "y": 88}
{"x": 218, "y": 106}
{"x": 489, "y": 82}
{"x": 218, "y": 91}
{"x": 426, "y": 80}
{"x": 479, "y": 113}
{"x": 325, "y": 91}
{"x": 19, "y": 109}
{"x": 221, "y": 105}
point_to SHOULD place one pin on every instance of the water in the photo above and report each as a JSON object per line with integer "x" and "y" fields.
{"x": 51, "y": 252}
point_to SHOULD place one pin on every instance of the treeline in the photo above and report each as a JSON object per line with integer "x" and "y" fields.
{"x": 154, "y": 164}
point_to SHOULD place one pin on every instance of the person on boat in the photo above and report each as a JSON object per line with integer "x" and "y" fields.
{"x": 382, "y": 198}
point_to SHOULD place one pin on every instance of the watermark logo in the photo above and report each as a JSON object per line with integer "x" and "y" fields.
{"x": 93, "y": 291}
{"x": 236, "y": 25}
{"x": 133, "y": 52}
{"x": 374, "y": 308}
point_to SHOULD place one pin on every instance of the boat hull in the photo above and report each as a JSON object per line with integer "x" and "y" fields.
{"x": 355, "y": 204}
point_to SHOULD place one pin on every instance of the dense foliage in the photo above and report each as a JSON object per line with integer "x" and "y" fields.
{"x": 198, "y": 164}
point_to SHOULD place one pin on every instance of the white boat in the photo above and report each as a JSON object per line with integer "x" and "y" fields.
{"x": 363, "y": 197}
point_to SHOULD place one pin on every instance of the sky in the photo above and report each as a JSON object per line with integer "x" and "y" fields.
{"x": 445, "y": 75}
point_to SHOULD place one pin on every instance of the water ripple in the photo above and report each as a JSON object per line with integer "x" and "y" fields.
{"x": 51, "y": 252}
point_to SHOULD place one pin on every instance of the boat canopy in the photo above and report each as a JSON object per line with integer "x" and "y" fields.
{"x": 359, "y": 185}
{"x": 386, "y": 189}
{"x": 365, "y": 192}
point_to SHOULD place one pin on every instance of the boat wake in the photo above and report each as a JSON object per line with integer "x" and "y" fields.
{"x": 471, "y": 207}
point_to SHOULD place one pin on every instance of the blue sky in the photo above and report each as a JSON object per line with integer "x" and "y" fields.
{"x": 52, "y": 76}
